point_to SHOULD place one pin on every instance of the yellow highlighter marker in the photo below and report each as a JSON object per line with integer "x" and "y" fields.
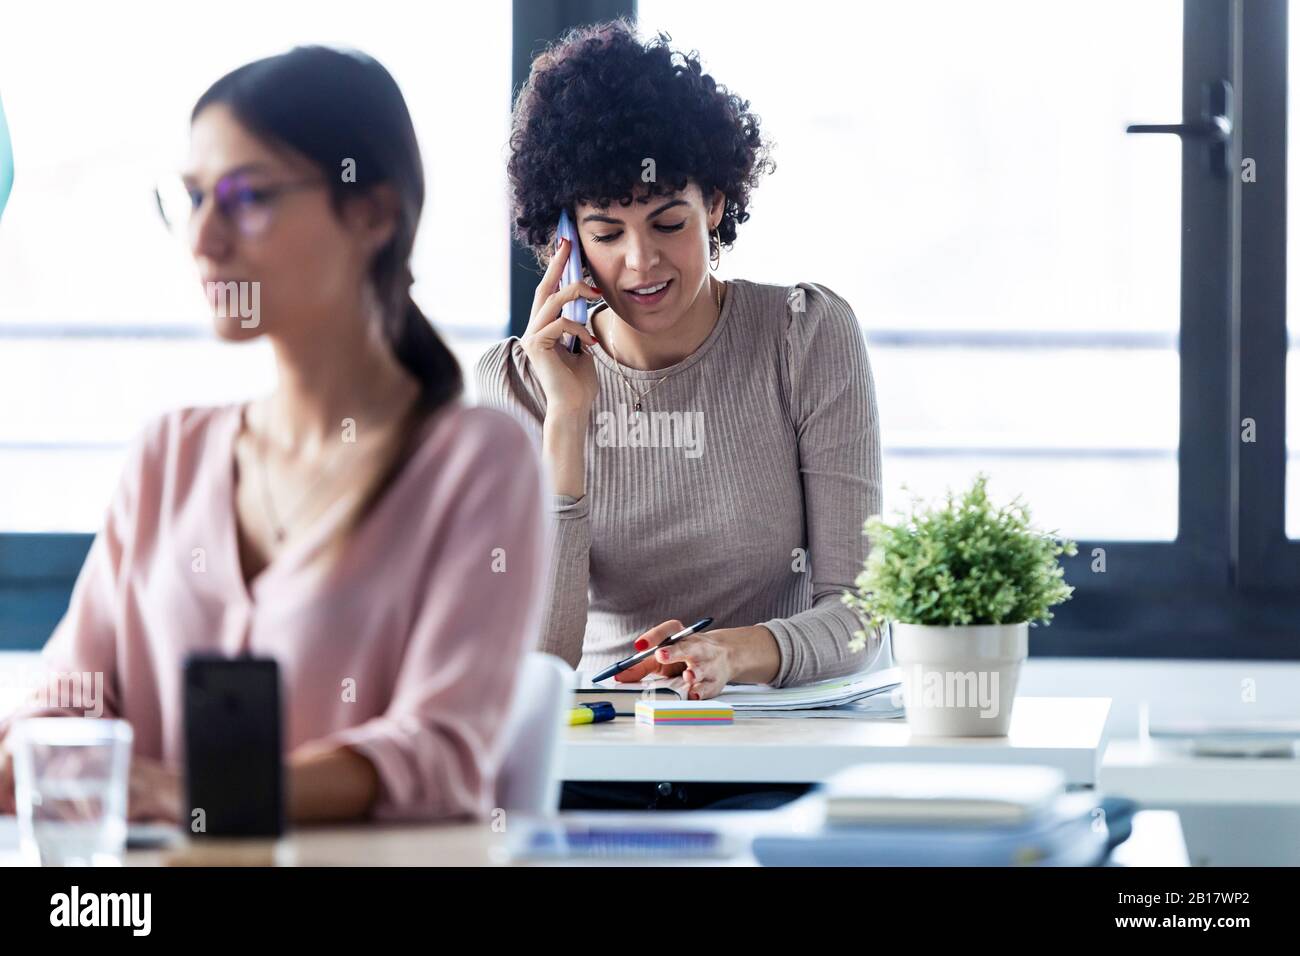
{"x": 594, "y": 713}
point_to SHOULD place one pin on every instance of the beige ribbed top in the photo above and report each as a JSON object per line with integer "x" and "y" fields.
{"x": 739, "y": 496}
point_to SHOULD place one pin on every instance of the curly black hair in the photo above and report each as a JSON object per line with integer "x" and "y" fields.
{"x": 598, "y": 103}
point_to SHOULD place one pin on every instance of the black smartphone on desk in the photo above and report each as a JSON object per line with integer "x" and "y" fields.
{"x": 233, "y": 762}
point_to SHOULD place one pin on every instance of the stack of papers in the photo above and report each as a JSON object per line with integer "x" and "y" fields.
{"x": 869, "y": 694}
{"x": 879, "y": 707}
{"x": 866, "y": 695}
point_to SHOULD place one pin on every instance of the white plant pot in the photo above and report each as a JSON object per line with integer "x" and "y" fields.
{"x": 959, "y": 681}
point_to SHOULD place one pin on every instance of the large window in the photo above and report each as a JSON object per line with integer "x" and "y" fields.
{"x": 1088, "y": 315}
{"x": 1096, "y": 319}
{"x": 960, "y": 173}
{"x": 102, "y": 321}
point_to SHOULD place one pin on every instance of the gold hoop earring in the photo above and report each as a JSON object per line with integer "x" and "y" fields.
{"x": 715, "y": 250}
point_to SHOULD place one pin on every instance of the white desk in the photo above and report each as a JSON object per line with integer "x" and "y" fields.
{"x": 1160, "y": 775}
{"x": 1234, "y": 811}
{"x": 1064, "y": 732}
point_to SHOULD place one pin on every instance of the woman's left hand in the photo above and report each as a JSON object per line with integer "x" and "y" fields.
{"x": 154, "y": 792}
{"x": 709, "y": 660}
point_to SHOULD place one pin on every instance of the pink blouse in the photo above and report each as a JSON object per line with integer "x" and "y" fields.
{"x": 404, "y": 645}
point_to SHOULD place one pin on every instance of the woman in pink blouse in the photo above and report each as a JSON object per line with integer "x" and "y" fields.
{"x": 379, "y": 539}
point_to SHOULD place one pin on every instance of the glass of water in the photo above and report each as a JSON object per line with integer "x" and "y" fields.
{"x": 70, "y": 782}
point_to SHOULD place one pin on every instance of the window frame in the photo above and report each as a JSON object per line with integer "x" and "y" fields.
{"x": 37, "y": 572}
{"x": 1229, "y": 585}
{"x": 1268, "y": 561}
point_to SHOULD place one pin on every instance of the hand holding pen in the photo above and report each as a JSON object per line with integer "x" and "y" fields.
{"x": 708, "y": 661}
{"x": 671, "y": 650}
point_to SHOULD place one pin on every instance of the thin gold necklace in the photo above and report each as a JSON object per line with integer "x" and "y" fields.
{"x": 336, "y": 464}
{"x": 640, "y": 396}
{"x": 280, "y": 525}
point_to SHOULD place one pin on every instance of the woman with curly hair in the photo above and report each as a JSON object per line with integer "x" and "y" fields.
{"x": 713, "y": 446}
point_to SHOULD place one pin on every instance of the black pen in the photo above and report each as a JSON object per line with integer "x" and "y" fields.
{"x": 637, "y": 658}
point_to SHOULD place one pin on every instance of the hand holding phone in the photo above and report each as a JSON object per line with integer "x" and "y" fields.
{"x": 568, "y": 376}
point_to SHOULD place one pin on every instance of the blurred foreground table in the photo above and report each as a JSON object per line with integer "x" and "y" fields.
{"x": 1157, "y": 840}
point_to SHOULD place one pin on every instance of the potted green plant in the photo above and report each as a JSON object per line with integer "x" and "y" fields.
{"x": 959, "y": 586}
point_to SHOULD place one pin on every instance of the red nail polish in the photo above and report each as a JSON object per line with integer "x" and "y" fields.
{"x": 641, "y": 644}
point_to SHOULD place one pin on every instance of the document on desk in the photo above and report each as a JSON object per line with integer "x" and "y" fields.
{"x": 866, "y": 695}
{"x": 877, "y": 707}
{"x": 810, "y": 697}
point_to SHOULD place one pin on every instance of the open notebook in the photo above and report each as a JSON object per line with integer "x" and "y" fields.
{"x": 868, "y": 694}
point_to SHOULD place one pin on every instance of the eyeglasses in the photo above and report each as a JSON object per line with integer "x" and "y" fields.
{"x": 248, "y": 208}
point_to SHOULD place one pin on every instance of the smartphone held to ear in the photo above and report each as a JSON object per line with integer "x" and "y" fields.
{"x": 575, "y": 311}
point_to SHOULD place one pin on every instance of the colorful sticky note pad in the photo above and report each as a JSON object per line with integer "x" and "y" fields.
{"x": 675, "y": 713}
